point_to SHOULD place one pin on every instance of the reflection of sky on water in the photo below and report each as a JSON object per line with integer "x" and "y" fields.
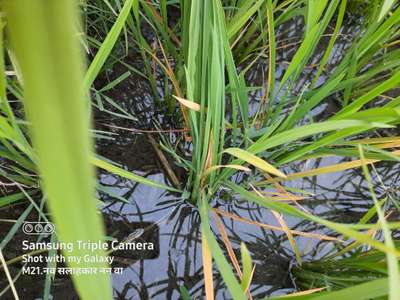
{"x": 341, "y": 197}
{"x": 337, "y": 196}
{"x": 177, "y": 259}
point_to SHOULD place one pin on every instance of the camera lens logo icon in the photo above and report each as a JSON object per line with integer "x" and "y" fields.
{"x": 49, "y": 228}
{"x": 27, "y": 228}
{"x": 36, "y": 228}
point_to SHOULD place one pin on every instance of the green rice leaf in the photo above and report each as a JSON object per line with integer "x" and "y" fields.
{"x": 129, "y": 175}
{"x": 374, "y": 289}
{"x": 225, "y": 269}
{"x": 386, "y": 6}
{"x": 248, "y": 9}
{"x": 15, "y": 227}
{"x": 107, "y": 45}
{"x": 393, "y": 265}
{"x": 44, "y": 38}
{"x": 11, "y": 199}
{"x": 246, "y": 266}
{"x": 285, "y": 208}
{"x": 357, "y": 104}
{"x": 300, "y": 55}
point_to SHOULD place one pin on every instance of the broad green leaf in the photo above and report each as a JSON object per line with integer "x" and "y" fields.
{"x": 47, "y": 49}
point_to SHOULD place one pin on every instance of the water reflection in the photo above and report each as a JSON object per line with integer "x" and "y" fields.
{"x": 179, "y": 261}
{"x": 341, "y": 197}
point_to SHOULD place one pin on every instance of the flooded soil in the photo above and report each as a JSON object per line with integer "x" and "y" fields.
{"x": 122, "y": 135}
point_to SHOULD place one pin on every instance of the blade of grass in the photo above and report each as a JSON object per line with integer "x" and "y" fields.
{"x": 249, "y": 7}
{"x": 247, "y": 267}
{"x": 270, "y": 87}
{"x": 227, "y": 243}
{"x": 285, "y": 229}
{"x": 219, "y": 257}
{"x": 284, "y": 208}
{"x": 328, "y": 169}
{"x": 11, "y": 199}
{"x": 289, "y": 235}
{"x": 50, "y": 277}
{"x": 328, "y": 51}
{"x": 107, "y": 45}
{"x": 272, "y": 227}
{"x": 303, "y": 293}
{"x": 15, "y": 227}
{"x": 300, "y": 55}
{"x": 129, "y": 175}
{"x": 254, "y": 160}
{"x": 184, "y": 293}
{"x": 357, "y": 104}
{"x": 207, "y": 269}
{"x": 187, "y": 103}
{"x": 386, "y": 6}
{"x": 10, "y": 280}
{"x": 393, "y": 266}
{"x": 375, "y": 289}
{"x": 267, "y": 142}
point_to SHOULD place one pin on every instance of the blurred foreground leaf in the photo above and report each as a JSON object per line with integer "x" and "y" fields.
{"x": 45, "y": 42}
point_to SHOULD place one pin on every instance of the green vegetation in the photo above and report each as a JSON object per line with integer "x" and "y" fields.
{"x": 59, "y": 123}
{"x": 202, "y": 60}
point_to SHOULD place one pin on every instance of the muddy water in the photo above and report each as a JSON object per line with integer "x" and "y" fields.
{"x": 340, "y": 196}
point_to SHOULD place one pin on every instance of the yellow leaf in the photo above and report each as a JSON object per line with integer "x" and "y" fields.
{"x": 237, "y": 167}
{"x": 255, "y": 161}
{"x": 187, "y": 103}
{"x": 328, "y": 169}
{"x": 207, "y": 269}
{"x": 304, "y": 293}
{"x": 272, "y": 227}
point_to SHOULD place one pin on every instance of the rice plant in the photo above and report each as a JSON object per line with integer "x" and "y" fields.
{"x": 322, "y": 93}
{"x": 210, "y": 44}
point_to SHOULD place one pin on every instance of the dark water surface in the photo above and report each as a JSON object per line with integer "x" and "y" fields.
{"x": 341, "y": 197}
